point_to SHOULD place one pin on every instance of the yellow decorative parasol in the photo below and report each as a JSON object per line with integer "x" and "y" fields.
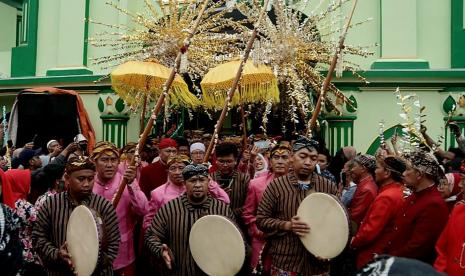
{"x": 258, "y": 84}
{"x": 134, "y": 80}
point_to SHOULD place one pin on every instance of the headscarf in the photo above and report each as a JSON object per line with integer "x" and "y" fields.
{"x": 396, "y": 266}
{"x": 167, "y": 143}
{"x": 7, "y": 194}
{"x": 194, "y": 170}
{"x": 104, "y": 147}
{"x": 453, "y": 180}
{"x": 394, "y": 164}
{"x": 79, "y": 138}
{"x": 305, "y": 143}
{"x": 197, "y": 146}
{"x": 79, "y": 163}
{"x": 280, "y": 147}
{"x": 127, "y": 148}
{"x": 424, "y": 162}
{"x": 366, "y": 160}
{"x": 265, "y": 166}
{"x": 180, "y": 158}
{"x": 16, "y": 186}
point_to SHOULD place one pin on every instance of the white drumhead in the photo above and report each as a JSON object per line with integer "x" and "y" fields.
{"x": 329, "y": 225}
{"x": 217, "y": 246}
{"x": 83, "y": 241}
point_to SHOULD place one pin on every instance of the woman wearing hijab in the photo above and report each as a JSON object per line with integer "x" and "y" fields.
{"x": 260, "y": 165}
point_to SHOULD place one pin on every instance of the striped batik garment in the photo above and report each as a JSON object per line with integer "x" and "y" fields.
{"x": 171, "y": 226}
{"x": 239, "y": 186}
{"x": 49, "y": 232}
{"x": 279, "y": 204}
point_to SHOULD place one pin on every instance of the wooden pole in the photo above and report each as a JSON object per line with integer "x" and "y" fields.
{"x": 161, "y": 99}
{"x": 329, "y": 75}
{"x": 244, "y": 122}
{"x": 142, "y": 115}
{"x": 232, "y": 90}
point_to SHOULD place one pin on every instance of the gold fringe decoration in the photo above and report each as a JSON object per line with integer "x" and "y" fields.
{"x": 133, "y": 79}
{"x": 258, "y": 84}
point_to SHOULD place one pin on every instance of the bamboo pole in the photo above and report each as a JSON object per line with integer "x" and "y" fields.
{"x": 329, "y": 75}
{"x": 244, "y": 122}
{"x": 142, "y": 115}
{"x": 232, "y": 90}
{"x": 161, "y": 99}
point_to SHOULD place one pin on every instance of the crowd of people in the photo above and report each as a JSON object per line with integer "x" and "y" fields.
{"x": 405, "y": 208}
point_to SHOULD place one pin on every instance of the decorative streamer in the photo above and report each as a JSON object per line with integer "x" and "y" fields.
{"x": 5, "y": 139}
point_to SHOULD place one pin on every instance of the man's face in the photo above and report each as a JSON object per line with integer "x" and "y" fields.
{"x": 347, "y": 171}
{"x": 226, "y": 164}
{"x": 322, "y": 161}
{"x": 197, "y": 188}
{"x": 197, "y": 156}
{"x": 304, "y": 162}
{"x": 35, "y": 162}
{"x": 280, "y": 162}
{"x": 130, "y": 154}
{"x": 82, "y": 145}
{"x": 175, "y": 172}
{"x": 462, "y": 183}
{"x": 166, "y": 153}
{"x": 106, "y": 165}
{"x": 54, "y": 146}
{"x": 80, "y": 183}
{"x": 381, "y": 174}
{"x": 357, "y": 171}
{"x": 183, "y": 150}
{"x": 3, "y": 161}
{"x": 411, "y": 177}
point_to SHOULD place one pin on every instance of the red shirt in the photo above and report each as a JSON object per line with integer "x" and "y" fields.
{"x": 363, "y": 197}
{"x": 451, "y": 244}
{"x": 379, "y": 220}
{"x": 153, "y": 176}
{"x": 418, "y": 225}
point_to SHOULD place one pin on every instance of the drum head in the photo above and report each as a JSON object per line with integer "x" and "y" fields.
{"x": 329, "y": 225}
{"x": 83, "y": 241}
{"x": 217, "y": 246}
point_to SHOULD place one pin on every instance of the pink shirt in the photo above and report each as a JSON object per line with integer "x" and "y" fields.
{"x": 257, "y": 187}
{"x": 169, "y": 191}
{"x": 122, "y": 166}
{"x": 133, "y": 204}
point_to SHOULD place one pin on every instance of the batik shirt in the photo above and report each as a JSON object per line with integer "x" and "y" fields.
{"x": 41, "y": 199}
{"x": 28, "y": 215}
{"x": 10, "y": 249}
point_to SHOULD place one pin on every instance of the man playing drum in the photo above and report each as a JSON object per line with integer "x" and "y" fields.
{"x": 276, "y": 214}
{"x": 175, "y": 187}
{"x": 280, "y": 159}
{"x": 49, "y": 232}
{"x": 167, "y": 237}
{"x": 133, "y": 203}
